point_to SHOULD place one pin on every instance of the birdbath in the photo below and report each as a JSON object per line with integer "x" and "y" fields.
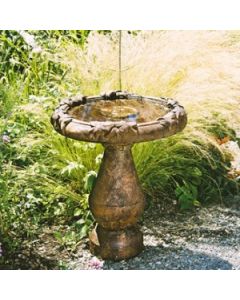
{"x": 117, "y": 120}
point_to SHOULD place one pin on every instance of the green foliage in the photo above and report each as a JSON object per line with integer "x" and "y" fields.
{"x": 183, "y": 160}
{"x": 14, "y": 53}
{"x": 76, "y": 36}
{"x": 8, "y": 99}
{"x": 218, "y": 126}
{"x": 45, "y": 179}
{"x": 187, "y": 195}
{"x": 89, "y": 180}
{"x": 19, "y": 60}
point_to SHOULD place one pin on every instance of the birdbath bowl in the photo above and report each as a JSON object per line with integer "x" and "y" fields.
{"x": 117, "y": 120}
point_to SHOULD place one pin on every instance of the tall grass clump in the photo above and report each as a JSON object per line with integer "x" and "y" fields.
{"x": 198, "y": 68}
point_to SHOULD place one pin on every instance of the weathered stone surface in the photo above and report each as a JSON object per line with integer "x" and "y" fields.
{"x": 118, "y": 132}
{"x": 117, "y": 201}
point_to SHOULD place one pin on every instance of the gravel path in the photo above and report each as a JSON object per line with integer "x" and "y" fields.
{"x": 207, "y": 239}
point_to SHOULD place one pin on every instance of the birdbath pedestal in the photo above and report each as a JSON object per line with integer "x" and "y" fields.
{"x": 117, "y": 120}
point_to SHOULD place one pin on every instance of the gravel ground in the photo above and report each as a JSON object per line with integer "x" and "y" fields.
{"x": 208, "y": 239}
{"x": 204, "y": 239}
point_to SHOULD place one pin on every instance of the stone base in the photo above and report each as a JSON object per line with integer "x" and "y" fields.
{"x": 116, "y": 245}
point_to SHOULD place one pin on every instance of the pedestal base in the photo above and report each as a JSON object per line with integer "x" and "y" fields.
{"x": 117, "y": 244}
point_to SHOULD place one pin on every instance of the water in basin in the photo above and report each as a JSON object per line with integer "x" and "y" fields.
{"x": 117, "y": 110}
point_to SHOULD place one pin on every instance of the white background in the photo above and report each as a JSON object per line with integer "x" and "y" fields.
{"x": 119, "y": 14}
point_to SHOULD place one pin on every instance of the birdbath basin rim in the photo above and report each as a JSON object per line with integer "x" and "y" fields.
{"x": 118, "y": 131}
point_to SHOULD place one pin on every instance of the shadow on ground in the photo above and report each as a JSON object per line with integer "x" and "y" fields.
{"x": 159, "y": 258}
{"x": 29, "y": 262}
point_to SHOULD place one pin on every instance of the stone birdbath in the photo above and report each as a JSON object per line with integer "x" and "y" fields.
{"x": 117, "y": 120}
